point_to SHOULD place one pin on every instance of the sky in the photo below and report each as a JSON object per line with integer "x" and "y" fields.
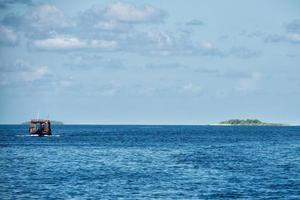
{"x": 149, "y": 62}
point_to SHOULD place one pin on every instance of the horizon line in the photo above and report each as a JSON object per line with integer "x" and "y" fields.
{"x": 124, "y": 124}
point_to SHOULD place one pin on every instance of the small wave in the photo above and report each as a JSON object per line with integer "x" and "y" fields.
{"x": 22, "y": 135}
{"x": 37, "y": 136}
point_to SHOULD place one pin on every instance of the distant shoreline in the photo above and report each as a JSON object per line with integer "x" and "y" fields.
{"x": 251, "y": 125}
{"x": 213, "y": 124}
{"x": 248, "y": 122}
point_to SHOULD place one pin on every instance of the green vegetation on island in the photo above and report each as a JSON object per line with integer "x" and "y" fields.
{"x": 52, "y": 123}
{"x": 249, "y": 122}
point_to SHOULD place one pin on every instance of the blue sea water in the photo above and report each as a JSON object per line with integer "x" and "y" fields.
{"x": 150, "y": 162}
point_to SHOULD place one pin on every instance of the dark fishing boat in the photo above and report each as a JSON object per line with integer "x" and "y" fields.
{"x": 40, "y": 128}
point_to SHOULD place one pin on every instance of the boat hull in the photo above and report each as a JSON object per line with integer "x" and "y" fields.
{"x": 40, "y": 128}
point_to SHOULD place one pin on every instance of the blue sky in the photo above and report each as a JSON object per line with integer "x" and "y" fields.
{"x": 149, "y": 62}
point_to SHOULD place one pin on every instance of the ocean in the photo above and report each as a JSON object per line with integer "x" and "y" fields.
{"x": 150, "y": 162}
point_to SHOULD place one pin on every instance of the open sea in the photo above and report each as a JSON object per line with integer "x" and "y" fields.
{"x": 150, "y": 162}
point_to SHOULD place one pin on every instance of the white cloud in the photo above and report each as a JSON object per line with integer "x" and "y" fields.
{"x": 35, "y": 73}
{"x": 118, "y": 17}
{"x": 59, "y": 43}
{"x": 46, "y": 16}
{"x": 293, "y": 26}
{"x": 159, "y": 42}
{"x": 165, "y": 43}
{"x": 293, "y": 37}
{"x": 292, "y": 34}
{"x": 8, "y": 36}
{"x": 207, "y": 45}
{"x": 72, "y": 43}
{"x": 129, "y": 13}
{"x": 208, "y": 49}
{"x": 111, "y": 25}
{"x": 161, "y": 39}
{"x": 102, "y": 44}
{"x": 21, "y": 72}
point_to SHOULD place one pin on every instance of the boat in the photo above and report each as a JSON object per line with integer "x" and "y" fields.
{"x": 40, "y": 128}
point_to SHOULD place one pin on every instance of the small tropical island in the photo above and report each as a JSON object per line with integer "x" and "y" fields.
{"x": 52, "y": 123}
{"x": 248, "y": 122}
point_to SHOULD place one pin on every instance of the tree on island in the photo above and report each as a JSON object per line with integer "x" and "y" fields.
{"x": 248, "y": 122}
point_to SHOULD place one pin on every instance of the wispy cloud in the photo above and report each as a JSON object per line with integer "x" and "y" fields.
{"x": 4, "y": 4}
{"x": 166, "y": 43}
{"x": 118, "y": 16}
{"x": 243, "y": 52}
{"x": 249, "y": 84}
{"x": 111, "y": 27}
{"x": 251, "y": 34}
{"x": 35, "y": 73}
{"x": 293, "y": 26}
{"x": 8, "y": 36}
{"x": 40, "y": 21}
{"x": 195, "y": 22}
{"x": 293, "y": 38}
{"x": 191, "y": 88}
{"x": 46, "y": 17}
{"x": 292, "y": 34}
{"x": 22, "y": 71}
{"x": 125, "y": 12}
{"x": 171, "y": 65}
{"x": 72, "y": 43}
{"x": 86, "y": 61}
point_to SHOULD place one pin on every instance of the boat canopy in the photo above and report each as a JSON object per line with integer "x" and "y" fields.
{"x": 35, "y": 121}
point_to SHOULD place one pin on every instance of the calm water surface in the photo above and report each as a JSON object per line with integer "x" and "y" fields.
{"x": 147, "y": 162}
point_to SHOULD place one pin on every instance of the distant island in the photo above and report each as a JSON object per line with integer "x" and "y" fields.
{"x": 249, "y": 122}
{"x": 52, "y": 122}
